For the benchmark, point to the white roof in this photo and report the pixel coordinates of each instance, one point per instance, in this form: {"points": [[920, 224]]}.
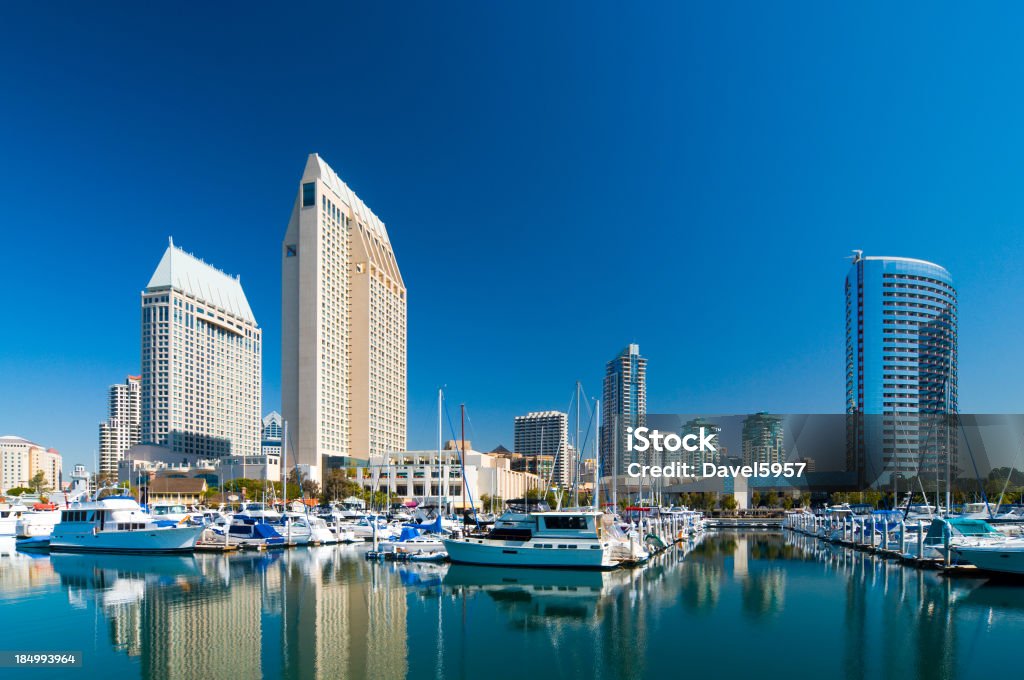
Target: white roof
{"points": [[187, 273], [317, 167], [15, 439]]}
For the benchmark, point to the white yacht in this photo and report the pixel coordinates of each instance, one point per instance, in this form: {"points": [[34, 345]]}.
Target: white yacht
{"points": [[580, 539], [1005, 557], [320, 532], [962, 532], [363, 529], [295, 528], [260, 511], [119, 524]]}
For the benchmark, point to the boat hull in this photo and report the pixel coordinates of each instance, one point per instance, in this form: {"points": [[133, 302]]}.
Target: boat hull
{"points": [[524, 554], [997, 558], [155, 541]]}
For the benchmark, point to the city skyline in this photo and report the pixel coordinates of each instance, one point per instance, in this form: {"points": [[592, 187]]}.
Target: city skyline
{"points": [[736, 211]]}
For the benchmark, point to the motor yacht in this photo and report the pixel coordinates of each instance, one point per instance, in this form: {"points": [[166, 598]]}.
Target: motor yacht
{"points": [[119, 524], [521, 537]]}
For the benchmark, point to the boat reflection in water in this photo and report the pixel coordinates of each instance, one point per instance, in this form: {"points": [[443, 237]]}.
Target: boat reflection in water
{"points": [[529, 595], [724, 605]]}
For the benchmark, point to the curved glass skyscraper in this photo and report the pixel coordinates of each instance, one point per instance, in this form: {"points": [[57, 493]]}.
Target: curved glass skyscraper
{"points": [[901, 355]]}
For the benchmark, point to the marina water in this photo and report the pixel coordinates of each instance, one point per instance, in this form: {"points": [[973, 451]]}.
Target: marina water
{"points": [[733, 604]]}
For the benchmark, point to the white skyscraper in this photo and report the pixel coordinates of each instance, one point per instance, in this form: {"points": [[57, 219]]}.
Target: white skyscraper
{"points": [[123, 427], [343, 354], [201, 360]]}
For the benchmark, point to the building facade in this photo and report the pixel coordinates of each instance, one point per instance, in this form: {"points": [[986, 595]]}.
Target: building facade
{"points": [[21, 460], [273, 432], [423, 477], [624, 404], [123, 426], [763, 439], [343, 312], [901, 362], [546, 433], [696, 459], [201, 360]]}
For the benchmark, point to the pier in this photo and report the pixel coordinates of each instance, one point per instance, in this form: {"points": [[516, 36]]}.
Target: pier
{"points": [[895, 539]]}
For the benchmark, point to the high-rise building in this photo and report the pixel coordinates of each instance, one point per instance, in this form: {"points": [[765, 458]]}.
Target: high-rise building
{"points": [[21, 460], [696, 459], [273, 430], [201, 360], [901, 360], [763, 439], [624, 404], [273, 425], [123, 426], [546, 433], [343, 313]]}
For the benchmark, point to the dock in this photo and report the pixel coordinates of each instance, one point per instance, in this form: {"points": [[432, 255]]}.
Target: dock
{"points": [[897, 540]]}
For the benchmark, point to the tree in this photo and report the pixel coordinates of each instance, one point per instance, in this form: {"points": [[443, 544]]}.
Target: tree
{"points": [[39, 482], [728, 502], [18, 491], [338, 486]]}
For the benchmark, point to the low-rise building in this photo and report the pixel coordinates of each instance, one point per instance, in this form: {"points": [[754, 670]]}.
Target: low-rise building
{"points": [[146, 459], [183, 490], [21, 460], [423, 477]]}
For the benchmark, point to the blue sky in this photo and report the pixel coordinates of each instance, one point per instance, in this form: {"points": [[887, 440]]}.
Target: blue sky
{"points": [[558, 179]]}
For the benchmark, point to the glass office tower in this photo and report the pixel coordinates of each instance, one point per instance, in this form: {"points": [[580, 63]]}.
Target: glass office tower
{"points": [[901, 362]]}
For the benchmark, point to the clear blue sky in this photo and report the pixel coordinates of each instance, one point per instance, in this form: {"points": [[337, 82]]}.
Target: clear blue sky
{"points": [[558, 179]]}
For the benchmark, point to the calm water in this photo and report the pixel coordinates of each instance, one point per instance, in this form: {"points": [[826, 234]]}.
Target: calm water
{"points": [[759, 605]]}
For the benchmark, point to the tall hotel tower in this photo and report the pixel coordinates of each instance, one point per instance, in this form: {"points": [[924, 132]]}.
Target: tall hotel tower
{"points": [[624, 404], [546, 433], [901, 360], [201, 361], [343, 349], [123, 427]]}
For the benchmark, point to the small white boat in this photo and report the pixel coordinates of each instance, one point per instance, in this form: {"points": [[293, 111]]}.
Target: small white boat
{"points": [[9, 516], [412, 541], [36, 523], [119, 524], [321, 533], [295, 528], [1005, 557], [250, 532], [962, 532], [363, 529]]}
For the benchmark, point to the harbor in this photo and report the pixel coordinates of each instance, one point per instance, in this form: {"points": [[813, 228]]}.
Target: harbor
{"points": [[329, 612]]}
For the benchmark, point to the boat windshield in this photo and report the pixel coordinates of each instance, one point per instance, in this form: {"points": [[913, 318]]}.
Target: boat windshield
{"points": [[168, 509], [528, 505]]}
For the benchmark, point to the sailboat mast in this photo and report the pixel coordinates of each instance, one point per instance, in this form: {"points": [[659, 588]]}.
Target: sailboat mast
{"points": [[284, 460], [576, 458], [597, 457], [439, 434], [462, 452]]}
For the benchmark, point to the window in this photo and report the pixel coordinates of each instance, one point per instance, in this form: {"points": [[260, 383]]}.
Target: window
{"points": [[309, 194], [562, 522], [290, 250]]}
